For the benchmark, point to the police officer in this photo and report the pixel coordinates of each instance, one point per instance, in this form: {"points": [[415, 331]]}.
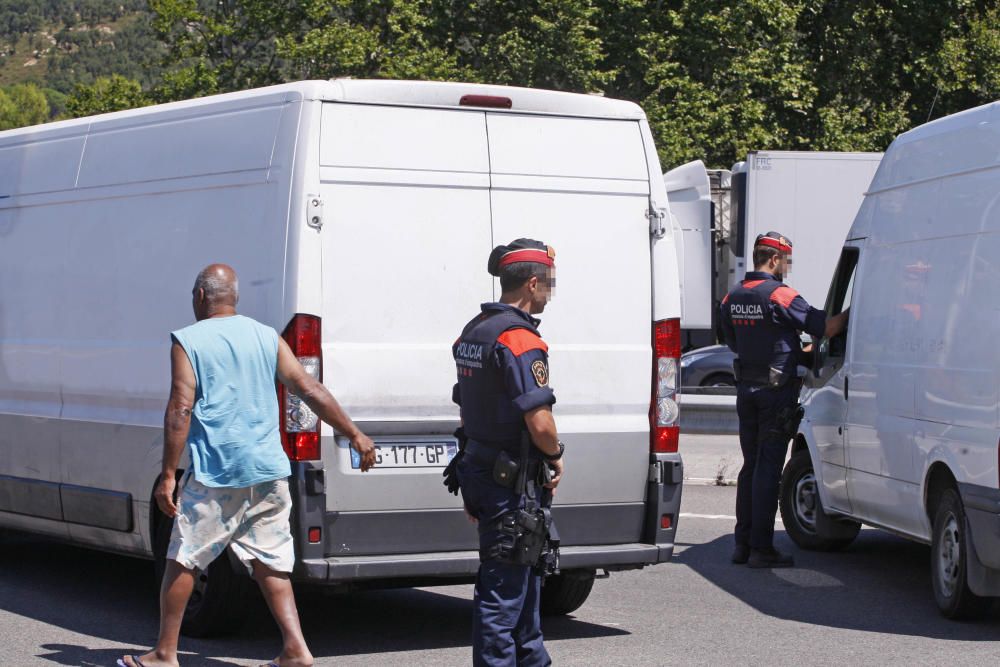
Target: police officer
{"points": [[512, 457], [761, 319]]}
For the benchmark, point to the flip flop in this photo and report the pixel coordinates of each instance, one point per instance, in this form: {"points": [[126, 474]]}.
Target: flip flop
{"points": [[135, 661]]}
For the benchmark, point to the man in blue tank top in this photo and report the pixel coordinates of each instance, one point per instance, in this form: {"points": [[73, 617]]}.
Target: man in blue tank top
{"points": [[223, 406]]}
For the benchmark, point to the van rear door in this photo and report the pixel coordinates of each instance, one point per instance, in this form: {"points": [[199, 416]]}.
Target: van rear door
{"points": [[581, 185], [405, 240]]}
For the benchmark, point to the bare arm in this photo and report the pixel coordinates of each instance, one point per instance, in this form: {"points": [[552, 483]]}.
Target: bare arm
{"points": [[176, 422], [836, 324], [542, 426], [321, 401]]}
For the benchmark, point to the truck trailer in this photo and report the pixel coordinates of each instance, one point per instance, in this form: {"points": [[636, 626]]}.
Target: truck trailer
{"points": [[810, 197]]}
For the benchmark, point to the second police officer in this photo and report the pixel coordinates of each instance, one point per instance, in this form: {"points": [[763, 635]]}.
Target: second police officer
{"points": [[761, 319], [512, 457]]}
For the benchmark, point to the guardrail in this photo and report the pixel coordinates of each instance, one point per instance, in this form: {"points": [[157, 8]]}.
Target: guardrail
{"points": [[709, 412]]}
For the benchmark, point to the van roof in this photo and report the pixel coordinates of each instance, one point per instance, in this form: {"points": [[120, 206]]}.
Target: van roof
{"points": [[417, 93], [443, 93], [955, 144]]}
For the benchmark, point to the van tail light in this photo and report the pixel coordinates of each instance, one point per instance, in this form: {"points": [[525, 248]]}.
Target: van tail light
{"points": [[299, 424], [664, 411]]}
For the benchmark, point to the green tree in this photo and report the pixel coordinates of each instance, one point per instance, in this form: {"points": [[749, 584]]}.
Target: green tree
{"points": [[22, 105], [884, 66], [392, 39], [968, 64], [552, 44], [235, 44], [726, 79], [107, 94], [223, 45]]}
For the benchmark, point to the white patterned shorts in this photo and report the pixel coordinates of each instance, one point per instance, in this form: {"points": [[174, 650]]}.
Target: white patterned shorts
{"points": [[252, 520]]}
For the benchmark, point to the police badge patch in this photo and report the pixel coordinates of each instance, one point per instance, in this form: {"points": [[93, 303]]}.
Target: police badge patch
{"points": [[541, 373]]}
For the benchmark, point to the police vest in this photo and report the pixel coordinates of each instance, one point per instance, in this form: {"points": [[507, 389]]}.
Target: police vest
{"points": [[761, 343], [489, 416]]}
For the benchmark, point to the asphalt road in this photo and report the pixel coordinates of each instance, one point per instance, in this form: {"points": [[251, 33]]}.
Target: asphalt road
{"points": [[869, 605]]}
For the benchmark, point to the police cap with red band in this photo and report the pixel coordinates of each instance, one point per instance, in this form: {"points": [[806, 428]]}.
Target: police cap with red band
{"points": [[776, 241], [520, 250]]}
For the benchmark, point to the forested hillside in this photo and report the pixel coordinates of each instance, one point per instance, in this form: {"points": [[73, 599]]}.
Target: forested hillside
{"points": [[57, 44], [716, 79]]}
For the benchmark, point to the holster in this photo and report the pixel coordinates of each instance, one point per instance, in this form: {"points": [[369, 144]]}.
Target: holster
{"points": [[786, 422], [776, 377], [527, 536], [762, 376], [506, 470]]}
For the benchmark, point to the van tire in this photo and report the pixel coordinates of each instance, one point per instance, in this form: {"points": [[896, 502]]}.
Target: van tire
{"points": [[219, 603], [566, 592], [802, 512], [949, 567]]}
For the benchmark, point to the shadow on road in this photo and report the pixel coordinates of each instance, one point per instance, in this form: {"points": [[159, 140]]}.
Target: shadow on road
{"points": [[112, 598], [68, 654], [881, 583]]}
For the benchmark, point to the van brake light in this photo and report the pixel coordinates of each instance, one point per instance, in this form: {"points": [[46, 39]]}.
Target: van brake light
{"points": [[664, 411], [491, 101], [299, 424]]}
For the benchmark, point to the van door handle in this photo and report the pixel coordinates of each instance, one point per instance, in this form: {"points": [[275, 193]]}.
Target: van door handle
{"points": [[847, 385]]}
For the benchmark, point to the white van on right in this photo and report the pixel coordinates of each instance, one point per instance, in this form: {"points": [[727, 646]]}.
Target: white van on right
{"points": [[902, 412]]}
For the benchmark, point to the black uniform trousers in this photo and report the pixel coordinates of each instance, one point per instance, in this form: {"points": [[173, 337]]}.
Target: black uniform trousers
{"points": [[506, 621], [764, 449]]}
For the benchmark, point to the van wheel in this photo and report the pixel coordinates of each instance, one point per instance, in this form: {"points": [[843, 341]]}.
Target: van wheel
{"points": [[948, 562], [566, 592], [219, 602], [802, 513]]}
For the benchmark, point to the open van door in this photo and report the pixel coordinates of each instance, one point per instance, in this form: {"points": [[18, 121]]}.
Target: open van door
{"points": [[830, 386], [690, 196]]}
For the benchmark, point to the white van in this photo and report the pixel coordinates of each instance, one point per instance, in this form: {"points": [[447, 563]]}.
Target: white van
{"points": [[359, 216], [902, 421]]}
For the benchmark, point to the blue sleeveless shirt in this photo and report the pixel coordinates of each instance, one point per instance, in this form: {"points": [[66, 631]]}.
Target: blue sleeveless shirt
{"points": [[234, 439]]}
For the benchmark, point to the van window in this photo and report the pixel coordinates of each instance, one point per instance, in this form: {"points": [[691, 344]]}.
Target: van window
{"points": [[839, 298], [850, 291]]}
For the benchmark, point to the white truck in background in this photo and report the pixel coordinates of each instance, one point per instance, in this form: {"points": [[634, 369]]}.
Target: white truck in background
{"points": [[810, 197]]}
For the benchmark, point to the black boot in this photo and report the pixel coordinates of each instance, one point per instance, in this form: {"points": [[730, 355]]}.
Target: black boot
{"points": [[741, 554], [760, 558]]}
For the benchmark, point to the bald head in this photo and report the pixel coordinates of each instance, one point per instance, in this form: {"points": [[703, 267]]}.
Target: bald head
{"points": [[216, 288]]}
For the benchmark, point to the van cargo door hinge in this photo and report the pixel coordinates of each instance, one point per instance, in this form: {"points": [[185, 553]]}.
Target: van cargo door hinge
{"points": [[655, 473], [656, 216], [314, 212]]}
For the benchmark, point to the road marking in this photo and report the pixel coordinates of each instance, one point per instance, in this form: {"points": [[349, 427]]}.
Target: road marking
{"points": [[718, 517], [710, 481]]}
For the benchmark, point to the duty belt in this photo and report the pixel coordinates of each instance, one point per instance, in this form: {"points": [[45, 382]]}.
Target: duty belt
{"points": [[759, 374], [486, 455]]}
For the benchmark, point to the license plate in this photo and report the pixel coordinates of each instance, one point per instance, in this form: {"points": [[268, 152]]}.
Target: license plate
{"points": [[410, 455]]}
